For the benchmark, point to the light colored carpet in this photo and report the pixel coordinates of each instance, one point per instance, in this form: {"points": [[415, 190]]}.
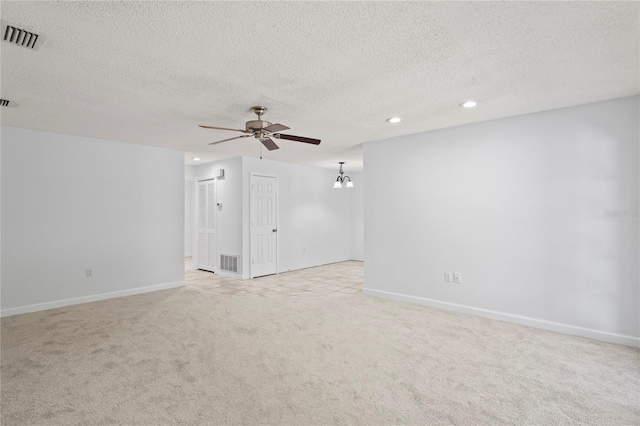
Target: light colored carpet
{"points": [[196, 356]]}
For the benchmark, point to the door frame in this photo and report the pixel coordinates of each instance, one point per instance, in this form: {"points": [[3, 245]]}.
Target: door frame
{"points": [[194, 225], [251, 175]]}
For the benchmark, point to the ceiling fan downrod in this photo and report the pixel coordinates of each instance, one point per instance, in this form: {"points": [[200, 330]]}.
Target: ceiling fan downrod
{"points": [[259, 110]]}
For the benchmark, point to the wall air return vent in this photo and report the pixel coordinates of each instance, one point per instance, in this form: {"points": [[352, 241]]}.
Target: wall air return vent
{"points": [[4, 102], [229, 263], [21, 37]]}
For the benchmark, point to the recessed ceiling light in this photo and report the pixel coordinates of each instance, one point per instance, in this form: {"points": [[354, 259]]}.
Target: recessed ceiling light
{"points": [[196, 159], [394, 120], [469, 104]]}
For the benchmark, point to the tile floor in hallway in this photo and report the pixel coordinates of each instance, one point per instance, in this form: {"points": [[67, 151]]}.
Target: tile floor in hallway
{"points": [[334, 280]]}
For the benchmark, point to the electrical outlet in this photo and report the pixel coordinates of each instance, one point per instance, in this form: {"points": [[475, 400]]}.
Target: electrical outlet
{"points": [[447, 277], [89, 273], [457, 277]]}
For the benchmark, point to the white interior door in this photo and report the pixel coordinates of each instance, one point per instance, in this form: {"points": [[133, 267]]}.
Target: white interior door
{"points": [[264, 225], [207, 250]]}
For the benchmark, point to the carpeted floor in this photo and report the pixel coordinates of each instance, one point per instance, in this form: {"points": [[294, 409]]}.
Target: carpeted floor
{"points": [[198, 356]]}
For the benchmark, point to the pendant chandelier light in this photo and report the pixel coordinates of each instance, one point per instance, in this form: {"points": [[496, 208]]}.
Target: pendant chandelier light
{"points": [[343, 181]]}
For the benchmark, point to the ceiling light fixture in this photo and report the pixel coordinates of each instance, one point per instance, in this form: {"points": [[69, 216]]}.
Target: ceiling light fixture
{"points": [[196, 159], [394, 120], [468, 104], [343, 181]]}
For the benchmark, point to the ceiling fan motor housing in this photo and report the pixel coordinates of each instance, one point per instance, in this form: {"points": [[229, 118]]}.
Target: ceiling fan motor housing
{"points": [[256, 125]]}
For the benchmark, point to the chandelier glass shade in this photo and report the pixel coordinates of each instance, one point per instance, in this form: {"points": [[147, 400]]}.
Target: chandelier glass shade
{"points": [[342, 181]]}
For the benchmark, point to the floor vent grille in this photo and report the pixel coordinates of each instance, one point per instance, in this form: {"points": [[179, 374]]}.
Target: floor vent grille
{"points": [[21, 37], [229, 263]]}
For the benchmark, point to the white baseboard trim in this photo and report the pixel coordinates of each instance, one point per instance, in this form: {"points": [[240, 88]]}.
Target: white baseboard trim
{"points": [[603, 336], [87, 299], [229, 274]]}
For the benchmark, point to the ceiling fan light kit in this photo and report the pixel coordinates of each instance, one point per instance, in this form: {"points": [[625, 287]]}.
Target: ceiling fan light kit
{"points": [[342, 180], [264, 131]]}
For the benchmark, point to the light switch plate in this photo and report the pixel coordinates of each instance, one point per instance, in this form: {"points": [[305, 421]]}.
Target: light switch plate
{"points": [[457, 277], [447, 277]]}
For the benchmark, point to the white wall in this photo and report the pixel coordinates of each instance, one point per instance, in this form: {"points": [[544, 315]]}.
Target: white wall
{"points": [[517, 206], [313, 218], [189, 172], [357, 217], [71, 203]]}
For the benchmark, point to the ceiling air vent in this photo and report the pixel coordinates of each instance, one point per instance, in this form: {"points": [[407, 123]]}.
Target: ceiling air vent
{"points": [[4, 102], [21, 37]]}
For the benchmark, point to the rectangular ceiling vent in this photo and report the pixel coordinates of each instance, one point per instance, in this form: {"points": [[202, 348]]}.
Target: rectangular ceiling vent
{"points": [[229, 263], [21, 37], [4, 102]]}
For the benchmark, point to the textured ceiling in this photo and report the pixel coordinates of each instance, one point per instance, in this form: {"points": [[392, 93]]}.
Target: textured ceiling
{"points": [[150, 72]]}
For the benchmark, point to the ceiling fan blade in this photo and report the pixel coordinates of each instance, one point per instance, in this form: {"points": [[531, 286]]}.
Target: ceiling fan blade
{"points": [[269, 143], [276, 127], [222, 128], [298, 139], [230, 139]]}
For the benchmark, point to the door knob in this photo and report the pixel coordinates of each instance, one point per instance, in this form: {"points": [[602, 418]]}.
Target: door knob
{"points": [[274, 230]]}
